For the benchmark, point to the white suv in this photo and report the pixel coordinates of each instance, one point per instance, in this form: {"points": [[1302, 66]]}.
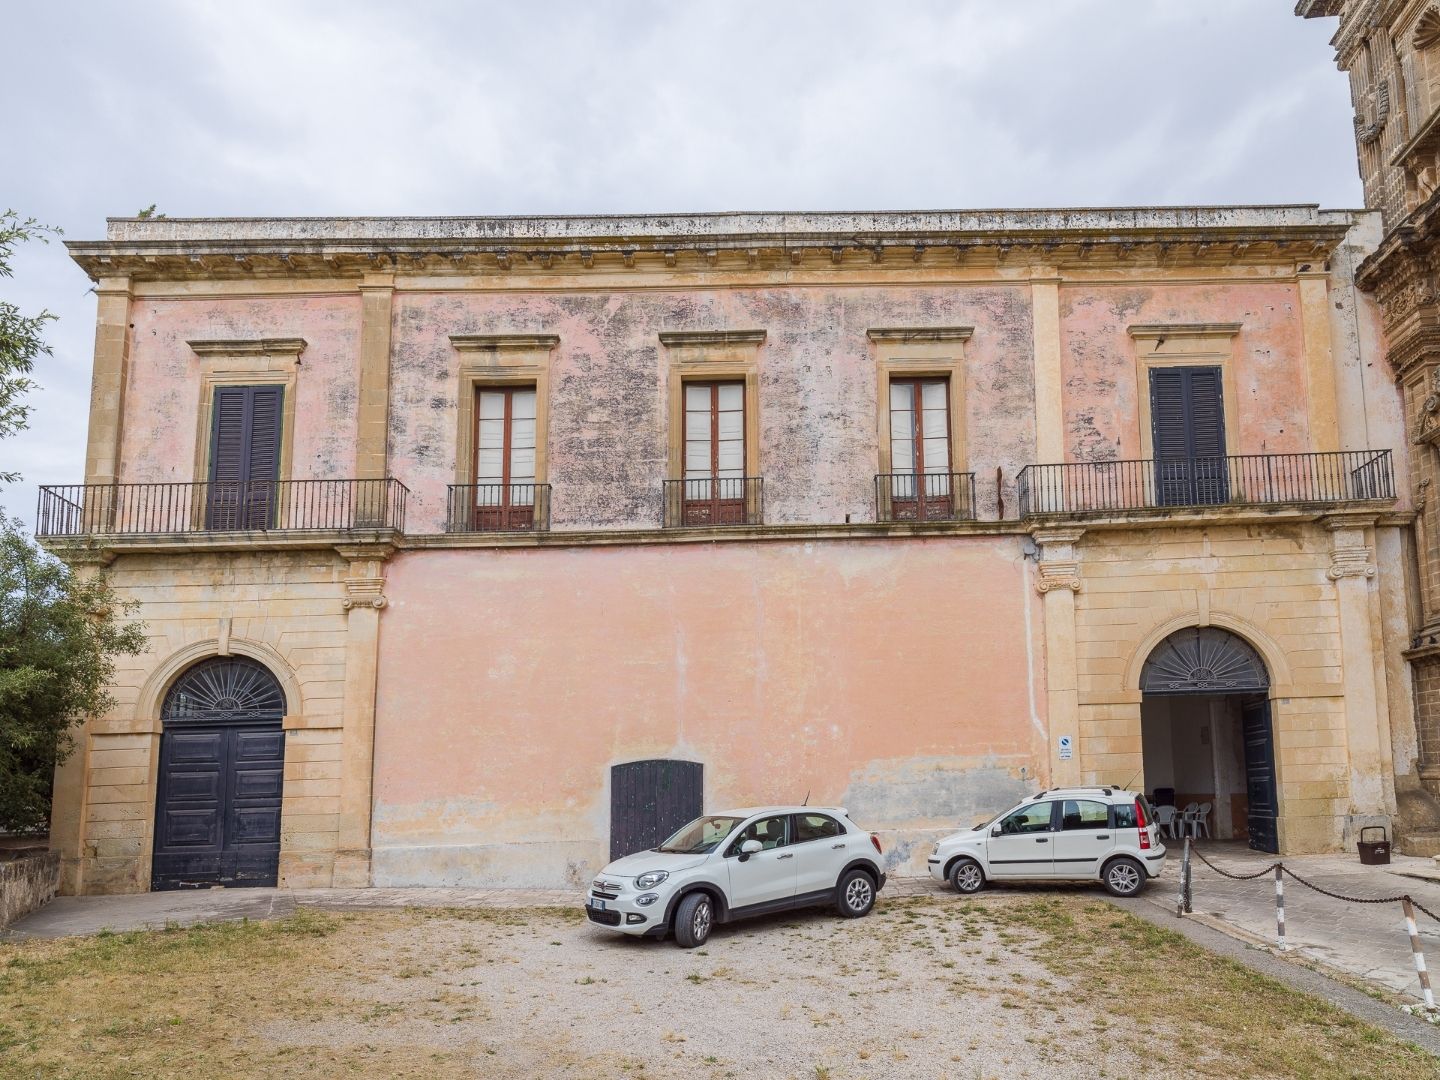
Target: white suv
{"points": [[1082, 834], [725, 866]]}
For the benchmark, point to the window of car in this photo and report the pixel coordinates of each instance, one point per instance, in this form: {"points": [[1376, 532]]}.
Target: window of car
{"points": [[1124, 815], [1084, 814], [701, 836], [772, 832], [1028, 819], [815, 827]]}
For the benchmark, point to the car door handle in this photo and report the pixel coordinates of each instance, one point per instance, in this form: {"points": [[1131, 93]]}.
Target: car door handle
{"points": [[837, 845], [787, 855], [1042, 840], [1103, 836]]}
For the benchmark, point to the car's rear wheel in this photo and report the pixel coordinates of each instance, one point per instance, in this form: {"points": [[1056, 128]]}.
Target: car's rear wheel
{"points": [[693, 920], [1123, 877], [966, 876], [855, 894]]}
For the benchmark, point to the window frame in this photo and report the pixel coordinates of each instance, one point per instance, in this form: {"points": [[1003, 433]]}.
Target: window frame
{"points": [[921, 353], [795, 828], [733, 848], [1184, 345], [498, 361], [1103, 824], [240, 363]]}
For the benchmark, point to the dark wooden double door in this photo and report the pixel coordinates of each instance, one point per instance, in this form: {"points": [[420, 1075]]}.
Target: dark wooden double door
{"points": [[243, 492], [1262, 802], [650, 800], [218, 806], [1187, 427]]}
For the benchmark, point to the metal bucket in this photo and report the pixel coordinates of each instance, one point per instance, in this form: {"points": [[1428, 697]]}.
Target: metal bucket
{"points": [[1374, 852]]}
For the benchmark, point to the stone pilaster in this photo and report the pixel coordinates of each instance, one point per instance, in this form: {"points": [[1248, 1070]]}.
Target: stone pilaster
{"points": [[1367, 713], [107, 384], [1324, 415], [1049, 401], [377, 294], [1058, 581], [364, 599]]}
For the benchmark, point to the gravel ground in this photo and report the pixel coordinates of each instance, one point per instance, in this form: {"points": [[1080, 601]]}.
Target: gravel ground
{"points": [[801, 995]]}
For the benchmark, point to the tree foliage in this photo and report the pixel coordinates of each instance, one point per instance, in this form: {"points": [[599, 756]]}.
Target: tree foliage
{"points": [[59, 637], [21, 336]]}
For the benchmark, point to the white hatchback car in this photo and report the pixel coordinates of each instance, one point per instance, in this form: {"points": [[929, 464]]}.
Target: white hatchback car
{"points": [[736, 863], [1078, 834]]}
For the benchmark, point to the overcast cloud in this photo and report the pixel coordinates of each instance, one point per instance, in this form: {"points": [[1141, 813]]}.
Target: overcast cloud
{"points": [[276, 108]]}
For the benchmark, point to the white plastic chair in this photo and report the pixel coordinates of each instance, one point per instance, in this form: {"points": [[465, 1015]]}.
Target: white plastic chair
{"points": [[1201, 820], [1165, 818], [1187, 819]]}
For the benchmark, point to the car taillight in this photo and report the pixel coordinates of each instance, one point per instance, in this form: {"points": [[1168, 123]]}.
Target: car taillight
{"points": [[1144, 831], [876, 841]]}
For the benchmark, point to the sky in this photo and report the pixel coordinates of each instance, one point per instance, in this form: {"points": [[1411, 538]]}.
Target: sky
{"points": [[315, 107]]}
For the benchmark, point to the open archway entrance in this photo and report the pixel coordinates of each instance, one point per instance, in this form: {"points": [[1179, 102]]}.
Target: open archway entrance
{"points": [[222, 767], [1207, 736]]}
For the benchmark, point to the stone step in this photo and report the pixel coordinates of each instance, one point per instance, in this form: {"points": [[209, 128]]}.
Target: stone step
{"points": [[1420, 842]]}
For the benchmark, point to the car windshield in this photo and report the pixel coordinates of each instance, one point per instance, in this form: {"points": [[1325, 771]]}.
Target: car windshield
{"points": [[701, 836]]}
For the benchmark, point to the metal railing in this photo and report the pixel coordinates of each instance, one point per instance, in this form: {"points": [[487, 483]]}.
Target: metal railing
{"points": [[1096, 487], [221, 506], [701, 503], [925, 496], [498, 508]]}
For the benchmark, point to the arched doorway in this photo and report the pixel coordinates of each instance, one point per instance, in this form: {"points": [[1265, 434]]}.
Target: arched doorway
{"points": [[222, 767], [1206, 732]]}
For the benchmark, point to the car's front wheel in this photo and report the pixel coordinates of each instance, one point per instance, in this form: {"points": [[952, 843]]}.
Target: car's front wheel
{"points": [[693, 920], [855, 894], [1123, 877], [966, 876]]}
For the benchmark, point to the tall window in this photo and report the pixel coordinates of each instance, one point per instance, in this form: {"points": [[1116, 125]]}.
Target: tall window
{"points": [[714, 453], [1187, 419], [505, 457], [920, 449], [244, 457]]}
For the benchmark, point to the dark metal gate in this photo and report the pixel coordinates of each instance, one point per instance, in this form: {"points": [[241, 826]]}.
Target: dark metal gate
{"points": [[649, 800], [222, 764], [1263, 806]]}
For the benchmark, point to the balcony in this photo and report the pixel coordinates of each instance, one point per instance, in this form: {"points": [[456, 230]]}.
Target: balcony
{"points": [[489, 508], [284, 506], [931, 496], [1105, 487], [712, 501]]}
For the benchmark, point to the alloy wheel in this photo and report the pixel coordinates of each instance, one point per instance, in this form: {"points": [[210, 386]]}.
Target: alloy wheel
{"points": [[858, 893]]}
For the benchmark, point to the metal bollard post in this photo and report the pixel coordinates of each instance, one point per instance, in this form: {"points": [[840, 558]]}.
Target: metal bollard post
{"points": [[1183, 902], [1280, 906], [1414, 932]]}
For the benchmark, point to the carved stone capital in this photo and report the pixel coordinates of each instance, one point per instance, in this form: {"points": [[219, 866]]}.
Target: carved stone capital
{"points": [[1058, 575], [364, 592], [1350, 562]]}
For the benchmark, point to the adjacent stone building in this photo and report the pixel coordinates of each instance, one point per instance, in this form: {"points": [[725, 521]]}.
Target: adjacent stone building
{"points": [[474, 549], [1391, 50]]}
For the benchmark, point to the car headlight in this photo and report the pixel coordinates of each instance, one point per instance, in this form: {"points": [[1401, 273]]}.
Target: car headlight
{"points": [[650, 880], [647, 899]]}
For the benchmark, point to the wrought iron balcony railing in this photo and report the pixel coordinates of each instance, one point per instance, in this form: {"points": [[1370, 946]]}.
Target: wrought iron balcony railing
{"points": [[1098, 487], [707, 501], [925, 496], [498, 508], [221, 506]]}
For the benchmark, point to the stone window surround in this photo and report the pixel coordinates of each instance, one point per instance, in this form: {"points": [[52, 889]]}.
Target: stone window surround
{"points": [[501, 360], [712, 356], [247, 362], [1184, 345], [920, 353]]}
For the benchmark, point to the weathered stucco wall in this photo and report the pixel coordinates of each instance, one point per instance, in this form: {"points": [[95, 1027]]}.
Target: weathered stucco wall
{"points": [[27, 884], [895, 678], [1102, 391], [608, 415], [162, 397]]}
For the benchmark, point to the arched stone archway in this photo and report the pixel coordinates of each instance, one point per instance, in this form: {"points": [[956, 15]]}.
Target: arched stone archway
{"points": [[221, 776], [1206, 732]]}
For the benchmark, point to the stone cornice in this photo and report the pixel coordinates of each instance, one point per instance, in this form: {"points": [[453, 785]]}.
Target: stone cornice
{"points": [[1209, 330], [905, 335], [491, 342], [249, 347], [227, 248], [704, 338]]}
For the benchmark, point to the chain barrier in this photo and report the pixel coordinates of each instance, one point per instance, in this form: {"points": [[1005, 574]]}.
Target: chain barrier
{"points": [[1407, 902]]}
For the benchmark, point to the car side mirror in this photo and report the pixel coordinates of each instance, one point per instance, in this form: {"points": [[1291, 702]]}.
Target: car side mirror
{"points": [[995, 831], [750, 847]]}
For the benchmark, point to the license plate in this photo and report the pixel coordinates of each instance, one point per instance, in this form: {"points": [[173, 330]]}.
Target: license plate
{"points": [[598, 905]]}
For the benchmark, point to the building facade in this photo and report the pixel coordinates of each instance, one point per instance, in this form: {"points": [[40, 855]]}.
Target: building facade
{"points": [[1391, 51], [473, 551]]}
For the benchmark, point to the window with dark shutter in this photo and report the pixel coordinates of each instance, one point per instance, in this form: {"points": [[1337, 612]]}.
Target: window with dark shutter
{"points": [[244, 457], [1187, 417]]}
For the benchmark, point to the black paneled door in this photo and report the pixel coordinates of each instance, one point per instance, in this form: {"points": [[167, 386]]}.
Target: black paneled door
{"points": [[649, 800], [1263, 803], [244, 457], [1187, 427]]}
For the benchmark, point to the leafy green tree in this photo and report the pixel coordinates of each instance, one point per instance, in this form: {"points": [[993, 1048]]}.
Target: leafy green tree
{"points": [[21, 336], [59, 637]]}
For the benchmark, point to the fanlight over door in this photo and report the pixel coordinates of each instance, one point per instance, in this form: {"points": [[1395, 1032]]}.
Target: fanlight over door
{"points": [[1204, 660]]}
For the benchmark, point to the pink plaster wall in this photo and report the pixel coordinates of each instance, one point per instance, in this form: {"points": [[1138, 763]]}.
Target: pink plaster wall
{"points": [[894, 677], [1101, 396], [163, 392], [608, 415]]}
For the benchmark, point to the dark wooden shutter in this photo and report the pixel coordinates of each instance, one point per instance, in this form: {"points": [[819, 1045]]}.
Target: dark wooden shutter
{"points": [[1187, 421], [244, 457]]}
